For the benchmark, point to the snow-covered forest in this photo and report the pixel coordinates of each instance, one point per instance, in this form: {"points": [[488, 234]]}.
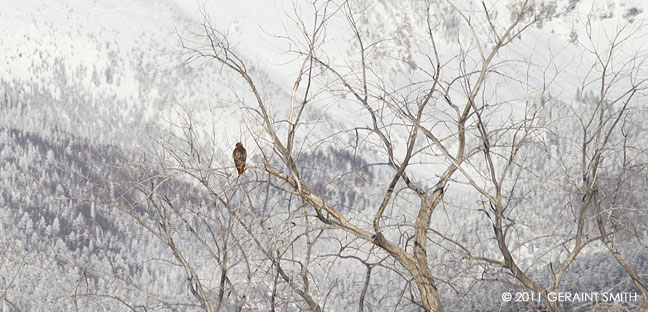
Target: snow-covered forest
{"points": [[406, 155]]}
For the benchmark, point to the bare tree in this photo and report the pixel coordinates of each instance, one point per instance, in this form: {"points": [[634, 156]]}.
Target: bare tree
{"points": [[389, 113], [603, 145], [424, 121], [608, 165]]}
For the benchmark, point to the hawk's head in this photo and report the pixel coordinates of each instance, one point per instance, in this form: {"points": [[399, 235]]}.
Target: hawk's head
{"points": [[239, 144]]}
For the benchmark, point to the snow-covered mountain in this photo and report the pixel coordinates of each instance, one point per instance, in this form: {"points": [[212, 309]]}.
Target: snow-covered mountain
{"points": [[116, 140]]}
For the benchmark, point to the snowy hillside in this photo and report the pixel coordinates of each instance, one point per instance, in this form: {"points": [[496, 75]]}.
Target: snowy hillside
{"points": [[401, 155]]}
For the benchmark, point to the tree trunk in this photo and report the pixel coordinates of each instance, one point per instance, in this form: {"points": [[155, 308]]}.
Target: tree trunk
{"points": [[427, 289]]}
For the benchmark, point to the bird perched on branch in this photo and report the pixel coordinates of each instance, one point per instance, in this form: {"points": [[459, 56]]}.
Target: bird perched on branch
{"points": [[239, 156]]}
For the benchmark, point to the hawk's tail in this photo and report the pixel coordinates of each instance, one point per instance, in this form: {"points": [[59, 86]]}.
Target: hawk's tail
{"points": [[240, 169]]}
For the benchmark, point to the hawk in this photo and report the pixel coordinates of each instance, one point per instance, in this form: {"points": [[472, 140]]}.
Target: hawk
{"points": [[239, 156]]}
